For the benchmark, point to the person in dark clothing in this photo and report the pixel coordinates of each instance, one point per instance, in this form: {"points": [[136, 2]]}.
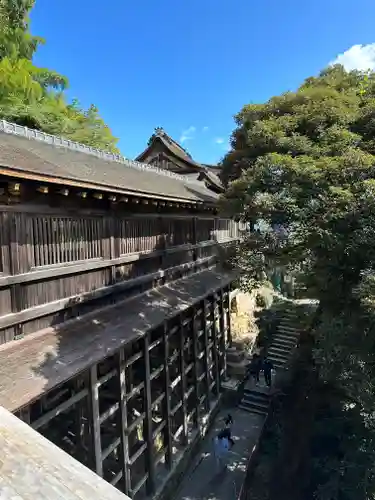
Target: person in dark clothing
{"points": [[255, 366], [226, 434], [228, 420], [267, 370]]}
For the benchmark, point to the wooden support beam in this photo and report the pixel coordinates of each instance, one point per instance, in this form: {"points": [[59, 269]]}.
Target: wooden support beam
{"points": [[222, 330], [183, 382], [167, 399], [195, 369], [215, 349], [123, 415], [229, 339], [206, 352], [96, 445], [25, 414], [79, 422], [150, 484]]}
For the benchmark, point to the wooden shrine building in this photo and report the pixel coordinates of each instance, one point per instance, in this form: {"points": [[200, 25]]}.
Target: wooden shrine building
{"points": [[114, 308], [165, 152]]}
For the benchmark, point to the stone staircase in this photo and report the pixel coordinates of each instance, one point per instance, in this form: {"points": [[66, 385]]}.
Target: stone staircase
{"points": [[256, 398]]}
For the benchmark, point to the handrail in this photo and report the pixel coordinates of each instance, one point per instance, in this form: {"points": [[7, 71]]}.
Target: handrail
{"points": [[36, 468]]}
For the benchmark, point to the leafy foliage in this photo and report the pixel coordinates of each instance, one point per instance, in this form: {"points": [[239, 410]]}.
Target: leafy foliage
{"points": [[33, 96], [304, 164]]}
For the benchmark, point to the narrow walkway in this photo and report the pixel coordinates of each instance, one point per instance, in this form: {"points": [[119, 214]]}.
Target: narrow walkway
{"points": [[202, 480]]}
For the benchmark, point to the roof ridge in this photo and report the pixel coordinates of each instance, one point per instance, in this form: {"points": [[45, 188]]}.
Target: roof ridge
{"points": [[56, 141], [160, 132]]}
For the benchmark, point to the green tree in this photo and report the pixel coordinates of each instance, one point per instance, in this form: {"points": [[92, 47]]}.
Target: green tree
{"points": [[304, 163], [33, 96], [15, 37]]}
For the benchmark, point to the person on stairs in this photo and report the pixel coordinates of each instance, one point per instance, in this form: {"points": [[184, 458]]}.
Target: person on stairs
{"points": [[267, 370], [255, 367]]}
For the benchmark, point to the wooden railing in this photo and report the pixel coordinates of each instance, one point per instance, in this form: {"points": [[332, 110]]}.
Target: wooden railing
{"points": [[37, 468], [55, 265]]}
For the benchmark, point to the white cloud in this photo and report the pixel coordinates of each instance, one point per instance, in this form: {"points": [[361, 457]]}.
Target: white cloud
{"points": [[219, 140], [187, 134], [204, 129], [360, 57]]}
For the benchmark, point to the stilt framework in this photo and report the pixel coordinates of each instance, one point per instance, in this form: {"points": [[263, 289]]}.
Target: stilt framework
{"points": [[131, 416]]}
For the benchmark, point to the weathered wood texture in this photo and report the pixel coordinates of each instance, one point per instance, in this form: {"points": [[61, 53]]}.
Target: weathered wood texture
{"points": [[143, 402], [32, 467], [35, 364], [55, 266]]}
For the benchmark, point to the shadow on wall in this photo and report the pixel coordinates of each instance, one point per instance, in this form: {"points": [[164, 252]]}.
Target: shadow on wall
{"points": [[77, 331]]}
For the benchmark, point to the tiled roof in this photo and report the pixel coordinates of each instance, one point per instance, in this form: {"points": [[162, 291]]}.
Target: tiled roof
{"points": [[61, 161], [176, 149]]}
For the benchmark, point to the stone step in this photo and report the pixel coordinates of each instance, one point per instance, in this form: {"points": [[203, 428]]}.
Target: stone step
{"points": [[277, 355], [289, 328], [255, 405], [253, 409], [282, 340], [282, 349], [235, 357], [256, 395], [287, 333], [277, 362]]}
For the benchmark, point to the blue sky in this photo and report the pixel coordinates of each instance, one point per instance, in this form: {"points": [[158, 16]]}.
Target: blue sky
{"points": [[190, 65]]}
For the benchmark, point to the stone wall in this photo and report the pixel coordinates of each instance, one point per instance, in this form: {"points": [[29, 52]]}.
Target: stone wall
{"points": [[244, 328]]}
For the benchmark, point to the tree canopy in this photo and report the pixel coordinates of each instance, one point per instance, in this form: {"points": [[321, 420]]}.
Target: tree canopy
{"points": [[34, 96], [304, 162]]}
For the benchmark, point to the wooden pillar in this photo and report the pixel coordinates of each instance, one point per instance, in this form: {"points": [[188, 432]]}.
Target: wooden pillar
{"points": [[79, 426], [150, 484], [215, 349], [228, 337], [96, 446], [164, 241], [195, 368], [25, 415], [206, 352], [16, 267], [123, 415], [195, 239], [183, 382], [222, 331], [167, 399]]}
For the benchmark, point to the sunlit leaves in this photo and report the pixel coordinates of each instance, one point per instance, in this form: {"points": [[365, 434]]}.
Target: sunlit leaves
{"points": [[33, 96]]}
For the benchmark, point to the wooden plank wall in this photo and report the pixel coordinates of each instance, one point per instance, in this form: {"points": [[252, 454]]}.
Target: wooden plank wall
{"points": [[55, 266]]}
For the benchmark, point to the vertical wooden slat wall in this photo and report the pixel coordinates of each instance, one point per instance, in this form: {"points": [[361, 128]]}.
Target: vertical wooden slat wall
{"points": [[32, 242]]}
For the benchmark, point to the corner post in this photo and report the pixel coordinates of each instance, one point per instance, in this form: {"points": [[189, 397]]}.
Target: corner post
{"points": [[150, 485]]}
